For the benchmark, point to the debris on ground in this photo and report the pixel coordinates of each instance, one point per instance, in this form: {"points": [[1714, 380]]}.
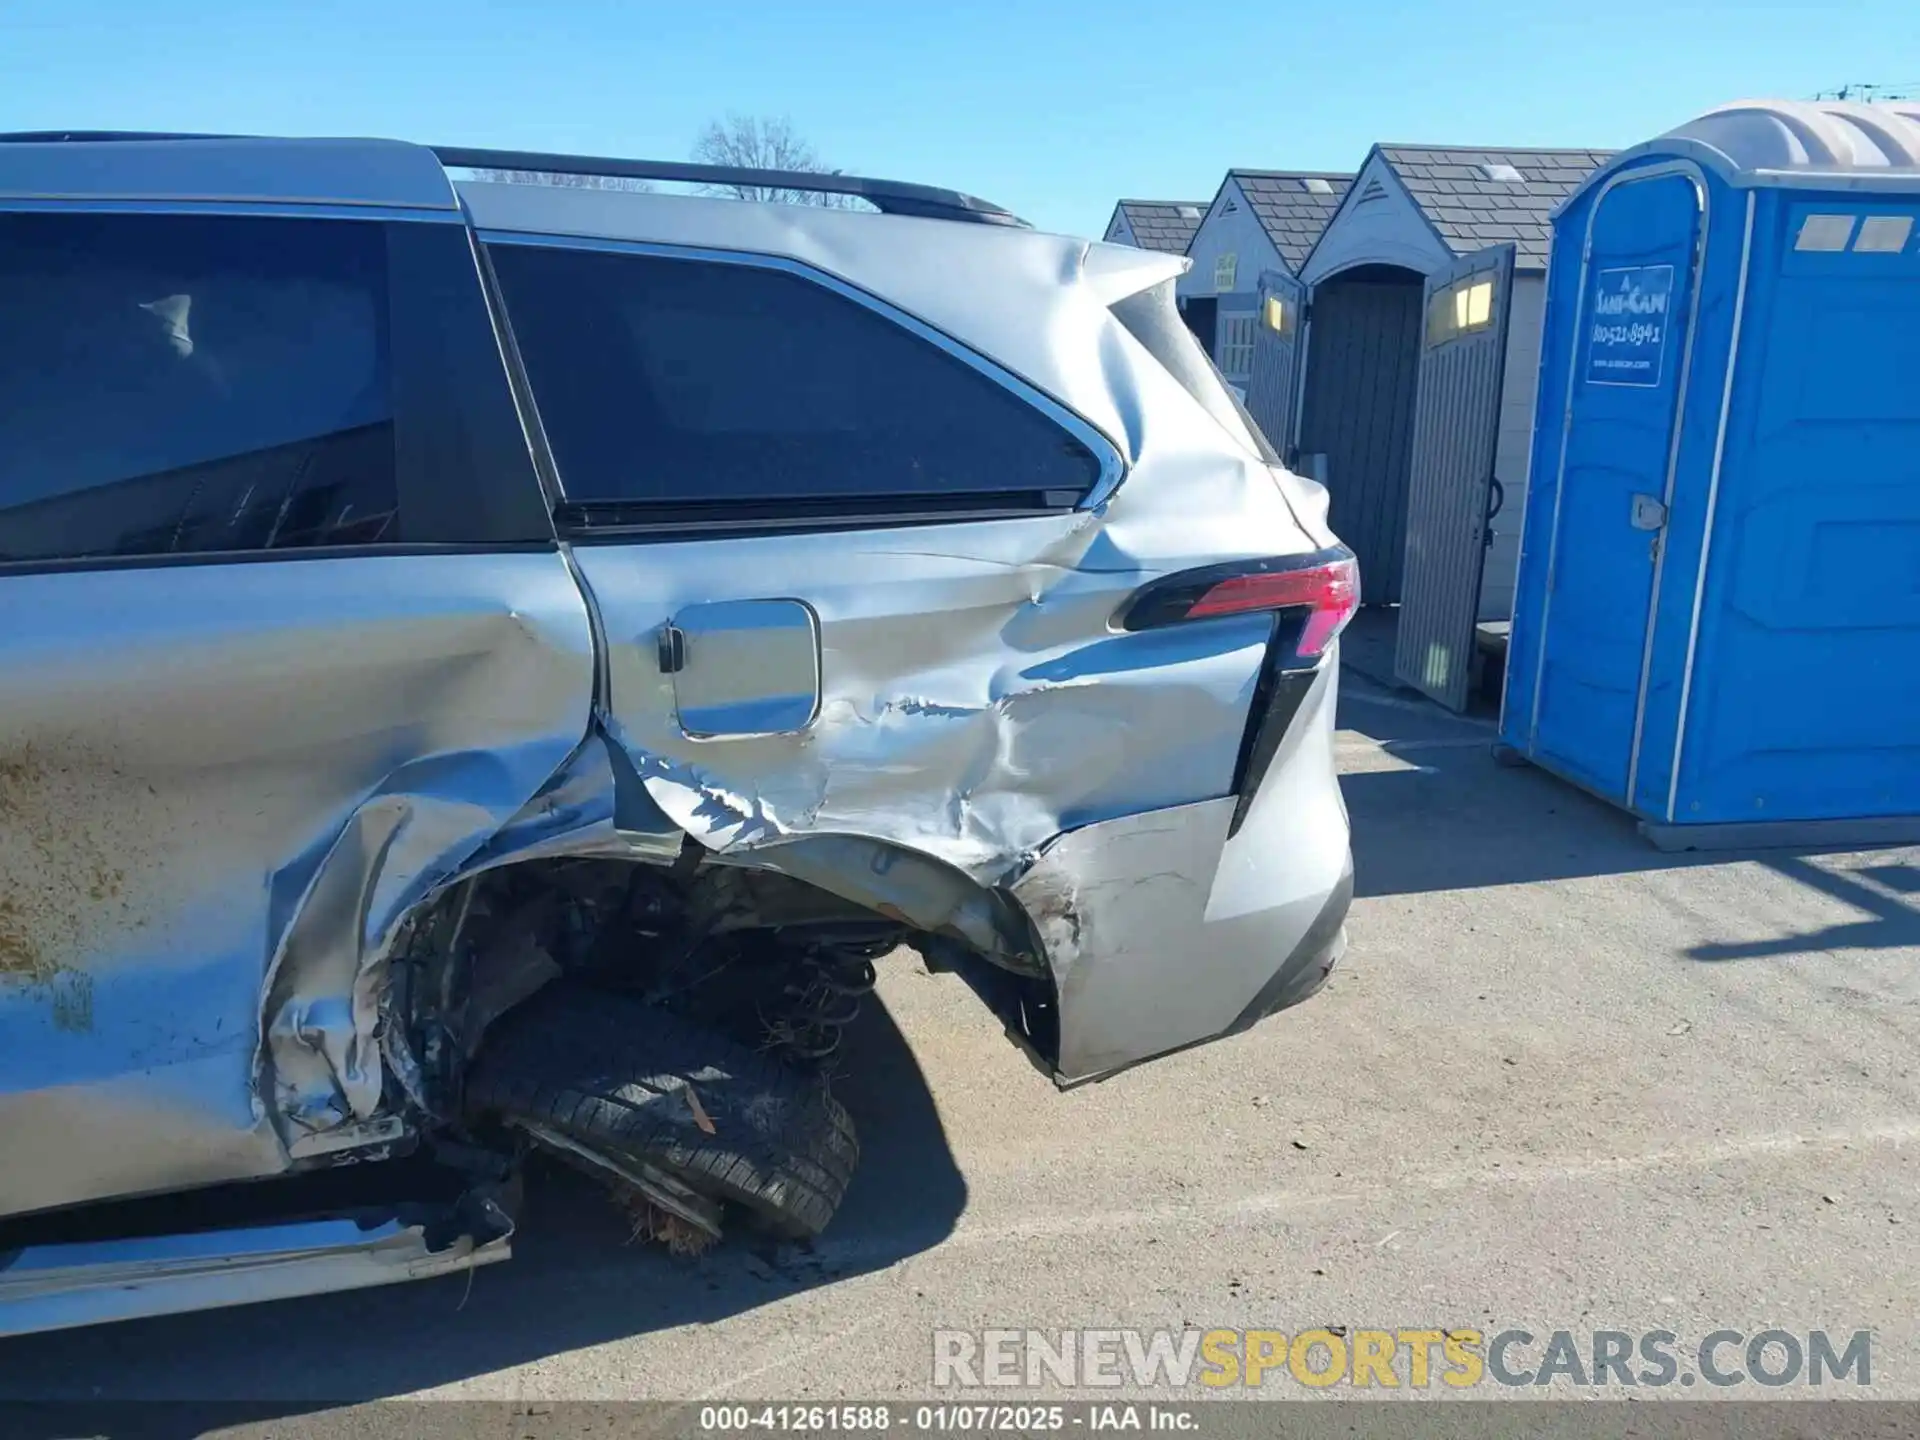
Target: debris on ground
{"points": [[650, 1222], [700, 1116]]}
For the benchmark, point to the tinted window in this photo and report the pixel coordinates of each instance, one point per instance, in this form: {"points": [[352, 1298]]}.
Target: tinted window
{"points": [[685, 382], [189, 383]]}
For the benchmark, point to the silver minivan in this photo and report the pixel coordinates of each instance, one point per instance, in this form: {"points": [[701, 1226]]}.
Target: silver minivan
{"points": [[490, 666]]}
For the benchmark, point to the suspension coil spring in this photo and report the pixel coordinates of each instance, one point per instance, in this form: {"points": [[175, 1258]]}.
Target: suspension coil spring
{"points": [[823, 998]]}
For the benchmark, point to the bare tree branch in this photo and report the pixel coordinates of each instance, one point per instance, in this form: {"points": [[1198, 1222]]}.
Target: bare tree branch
{"points": [[747, 142], [571, 182]]}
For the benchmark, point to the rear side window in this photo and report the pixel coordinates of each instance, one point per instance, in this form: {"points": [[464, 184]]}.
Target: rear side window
{"points": [[179, 384], [687, 383], [1153, 318]]}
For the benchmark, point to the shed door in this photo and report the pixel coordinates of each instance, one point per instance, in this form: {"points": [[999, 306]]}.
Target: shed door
{"points": [[1276, 357], [1616, 480], [1452, 491]]}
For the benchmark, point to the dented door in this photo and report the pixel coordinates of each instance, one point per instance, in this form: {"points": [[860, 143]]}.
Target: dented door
{"points": [[281, 646]]}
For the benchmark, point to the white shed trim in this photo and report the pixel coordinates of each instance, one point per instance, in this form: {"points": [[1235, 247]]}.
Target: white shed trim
{"points": [[1377, 224], [1230, 228]]}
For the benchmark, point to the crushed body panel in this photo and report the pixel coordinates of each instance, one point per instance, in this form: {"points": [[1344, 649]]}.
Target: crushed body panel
{"points": [[222, 788], [1163, 929]]}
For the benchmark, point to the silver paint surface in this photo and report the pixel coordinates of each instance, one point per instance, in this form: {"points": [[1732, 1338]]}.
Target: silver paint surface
{"points": [[1161, 929], [356, 174], [221, 789], [752, 667]]}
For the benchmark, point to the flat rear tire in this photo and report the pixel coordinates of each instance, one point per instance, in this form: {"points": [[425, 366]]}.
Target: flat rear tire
{"points": [[631, 1080]]}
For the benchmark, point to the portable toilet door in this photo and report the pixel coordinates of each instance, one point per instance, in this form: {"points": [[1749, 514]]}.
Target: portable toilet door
{"points": [[1615, 480], [1273, 385], [1452, 493], [1619, 444]]}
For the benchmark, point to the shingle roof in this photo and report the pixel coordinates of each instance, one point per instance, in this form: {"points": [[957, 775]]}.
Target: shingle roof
{"points": [[1163, 224], [1472, 210], [1292, 211]]}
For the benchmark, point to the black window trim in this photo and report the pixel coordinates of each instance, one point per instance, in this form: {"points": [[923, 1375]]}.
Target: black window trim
{"points": [[618, 520], [415, 549]]}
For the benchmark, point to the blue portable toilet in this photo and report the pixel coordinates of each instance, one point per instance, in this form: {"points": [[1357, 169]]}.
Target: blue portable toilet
{"points": [[1717, 621]]}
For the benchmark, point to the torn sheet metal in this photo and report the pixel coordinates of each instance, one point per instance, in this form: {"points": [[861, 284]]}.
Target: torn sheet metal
{"points": [[1162, 930], [975, 700], [221, 788], [907, 886]]}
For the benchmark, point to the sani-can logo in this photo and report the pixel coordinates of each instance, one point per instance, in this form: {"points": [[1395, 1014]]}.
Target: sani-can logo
{"points": [[1635, 297], [1627, 332]]}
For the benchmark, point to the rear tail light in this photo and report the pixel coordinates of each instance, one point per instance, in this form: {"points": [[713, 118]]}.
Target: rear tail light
{"points": [[1321, 589]]}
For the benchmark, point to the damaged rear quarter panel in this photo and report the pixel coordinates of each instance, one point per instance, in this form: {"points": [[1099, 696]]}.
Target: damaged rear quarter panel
{"points": [[1164, 930], [221, 787], [975, 701]]}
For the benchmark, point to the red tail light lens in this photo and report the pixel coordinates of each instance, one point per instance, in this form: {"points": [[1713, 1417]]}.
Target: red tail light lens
{"points": [[1326, 585], [1331, 590]]}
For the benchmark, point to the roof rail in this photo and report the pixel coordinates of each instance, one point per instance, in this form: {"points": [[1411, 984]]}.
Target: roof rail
{"points": [[56, 137], [891, 197]]}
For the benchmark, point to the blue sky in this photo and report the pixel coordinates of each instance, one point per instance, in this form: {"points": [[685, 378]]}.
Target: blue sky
{"points": [[1052, 109]]}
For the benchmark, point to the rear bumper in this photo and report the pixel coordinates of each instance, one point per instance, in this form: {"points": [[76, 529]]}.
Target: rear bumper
{"points": [[1174, 927]]}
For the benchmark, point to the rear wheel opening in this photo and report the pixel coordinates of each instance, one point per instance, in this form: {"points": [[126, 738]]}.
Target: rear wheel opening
{"points": [[671, 1031]]}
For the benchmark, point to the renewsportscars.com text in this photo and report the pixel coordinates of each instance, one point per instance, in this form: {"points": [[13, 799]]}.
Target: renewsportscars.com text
{"points": [[1415, 1359]]}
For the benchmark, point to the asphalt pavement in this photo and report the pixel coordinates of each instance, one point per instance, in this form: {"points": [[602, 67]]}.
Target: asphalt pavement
{"points": [[1561, 1082]]}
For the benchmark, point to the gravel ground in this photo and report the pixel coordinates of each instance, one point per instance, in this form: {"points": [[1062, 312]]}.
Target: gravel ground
{"points": [[1561, 1082]]}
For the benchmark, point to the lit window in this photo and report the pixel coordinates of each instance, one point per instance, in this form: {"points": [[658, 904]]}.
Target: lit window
{"points": [[1235, 347], [1277, 317], [1457, 309]]}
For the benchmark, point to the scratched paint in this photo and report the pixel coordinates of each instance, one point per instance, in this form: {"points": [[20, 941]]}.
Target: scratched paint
{"points": [[79, 838]]}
